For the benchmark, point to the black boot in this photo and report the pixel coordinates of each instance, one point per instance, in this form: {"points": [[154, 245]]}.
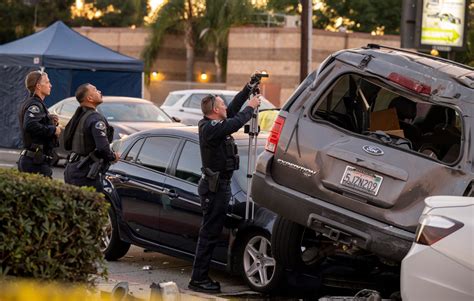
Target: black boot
{"points": [[205, 286]]}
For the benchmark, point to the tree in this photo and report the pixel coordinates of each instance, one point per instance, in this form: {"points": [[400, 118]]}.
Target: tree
{"points": [[50, 11], [16, 20], [284, 6], [110, 13], [359, 15], [367, 15], [180, 15], [217, 21]]}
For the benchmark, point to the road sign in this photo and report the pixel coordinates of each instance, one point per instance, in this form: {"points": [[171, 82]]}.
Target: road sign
{"points": [[441, 23]]}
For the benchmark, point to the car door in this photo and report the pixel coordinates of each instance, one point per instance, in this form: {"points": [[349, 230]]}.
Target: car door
{"points": [[181, 215], [333, 155], [139, 179]]}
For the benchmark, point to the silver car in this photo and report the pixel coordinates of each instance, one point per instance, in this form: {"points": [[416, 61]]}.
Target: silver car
{"points": [[440, 264], [186, 104]]}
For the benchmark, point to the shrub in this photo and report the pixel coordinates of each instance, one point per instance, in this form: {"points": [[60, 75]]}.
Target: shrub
{"points": [[50, 230]]}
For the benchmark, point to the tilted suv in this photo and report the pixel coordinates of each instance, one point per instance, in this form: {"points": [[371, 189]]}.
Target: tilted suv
{"points": [[357, 148]]}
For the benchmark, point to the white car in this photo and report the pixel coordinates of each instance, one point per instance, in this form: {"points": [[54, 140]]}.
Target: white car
{"points": [[440, 264], [186, 104]]}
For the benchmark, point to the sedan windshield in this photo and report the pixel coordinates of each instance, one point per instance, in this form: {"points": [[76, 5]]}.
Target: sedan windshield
{"points": [[133, 112]]}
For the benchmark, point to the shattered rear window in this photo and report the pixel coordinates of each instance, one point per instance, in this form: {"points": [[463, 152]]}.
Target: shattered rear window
{"points": [[364, 107]]}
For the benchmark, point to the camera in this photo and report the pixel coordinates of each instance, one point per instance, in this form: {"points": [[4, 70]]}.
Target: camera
{"points": [[260, 75]]}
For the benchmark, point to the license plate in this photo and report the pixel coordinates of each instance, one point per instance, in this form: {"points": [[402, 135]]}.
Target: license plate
{"points": [[361, 180]]}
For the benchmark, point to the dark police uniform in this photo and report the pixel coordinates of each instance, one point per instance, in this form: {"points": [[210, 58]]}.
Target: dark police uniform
{"points": [[88, 134], [38, 137], [218, 153]]}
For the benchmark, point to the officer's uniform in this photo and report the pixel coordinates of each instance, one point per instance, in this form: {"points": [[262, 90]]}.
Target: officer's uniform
{"points": [[218, 153], [39, 137], [91, 136]]}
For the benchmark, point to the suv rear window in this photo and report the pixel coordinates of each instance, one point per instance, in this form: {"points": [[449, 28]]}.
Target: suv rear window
{"points": [[368, 108]]}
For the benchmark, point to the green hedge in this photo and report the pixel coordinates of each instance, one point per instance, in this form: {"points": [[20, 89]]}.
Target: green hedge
{"points": [[50, 230]]}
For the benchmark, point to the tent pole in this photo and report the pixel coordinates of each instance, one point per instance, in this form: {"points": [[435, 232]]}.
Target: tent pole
{"points": [[143, 85]]}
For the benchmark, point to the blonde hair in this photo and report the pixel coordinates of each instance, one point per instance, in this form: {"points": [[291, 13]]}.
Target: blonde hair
{"points": [[32, 79]]}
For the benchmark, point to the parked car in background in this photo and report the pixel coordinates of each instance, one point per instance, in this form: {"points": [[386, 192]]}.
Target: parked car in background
{"points": [[440, 264], [126, 114], [186, 104], [155, 205], [358, 147]]}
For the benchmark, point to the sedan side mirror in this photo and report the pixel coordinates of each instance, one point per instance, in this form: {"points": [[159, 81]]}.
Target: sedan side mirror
{"points": [[176, 119]]}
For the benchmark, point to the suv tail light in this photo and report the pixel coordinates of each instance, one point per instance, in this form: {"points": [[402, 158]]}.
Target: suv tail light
{"points": [[275, 132], [433, 228], [409, 83]]}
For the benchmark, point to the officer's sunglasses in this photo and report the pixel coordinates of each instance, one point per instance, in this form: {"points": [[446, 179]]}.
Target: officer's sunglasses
{"points": [[212, 98], [39, 78]]}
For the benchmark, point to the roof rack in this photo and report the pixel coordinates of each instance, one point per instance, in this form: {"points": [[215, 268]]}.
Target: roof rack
{"points": [[377, 46]]}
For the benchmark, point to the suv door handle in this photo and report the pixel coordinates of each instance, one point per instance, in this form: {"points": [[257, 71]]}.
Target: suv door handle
{"points": [[171, 193], [122, 178]]}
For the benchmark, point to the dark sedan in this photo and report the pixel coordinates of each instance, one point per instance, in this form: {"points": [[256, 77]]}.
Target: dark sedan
{"points": [[155, 205]]}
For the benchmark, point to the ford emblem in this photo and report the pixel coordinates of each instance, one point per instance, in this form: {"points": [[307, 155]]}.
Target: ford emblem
{"points": [[373, 150]]}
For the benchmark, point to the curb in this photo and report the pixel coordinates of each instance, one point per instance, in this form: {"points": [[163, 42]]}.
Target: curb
{"points": [[166, 291]]}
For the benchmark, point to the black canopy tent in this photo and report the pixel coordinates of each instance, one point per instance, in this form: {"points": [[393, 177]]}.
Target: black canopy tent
{"points": [[70, 60]]}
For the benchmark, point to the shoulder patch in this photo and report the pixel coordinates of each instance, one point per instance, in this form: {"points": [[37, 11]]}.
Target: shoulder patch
{"points": [[214, 122], [34, 109], [100, 125]]}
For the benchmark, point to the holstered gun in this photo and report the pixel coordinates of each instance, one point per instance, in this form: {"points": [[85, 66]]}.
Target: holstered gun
{"points": [[96, 167], [212, 178], [38, 157]]}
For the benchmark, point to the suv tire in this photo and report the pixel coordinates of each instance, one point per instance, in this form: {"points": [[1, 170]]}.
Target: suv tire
{"points": [[298, 248], [111, 245], [286, 243]]}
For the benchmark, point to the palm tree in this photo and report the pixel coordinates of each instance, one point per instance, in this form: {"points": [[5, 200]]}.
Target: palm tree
{"points": [[217, 21], [182, 15]]}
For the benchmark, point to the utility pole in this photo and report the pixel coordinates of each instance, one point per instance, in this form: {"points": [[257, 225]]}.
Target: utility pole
{"points": [[306, 38]]}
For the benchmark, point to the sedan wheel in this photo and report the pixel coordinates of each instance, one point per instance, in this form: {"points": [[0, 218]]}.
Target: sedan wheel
{"points": [[110, 244], [259, 268], [106, 234]]}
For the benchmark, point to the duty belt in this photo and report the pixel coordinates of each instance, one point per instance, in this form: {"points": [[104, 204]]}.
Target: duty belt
{"points": [[31, 154], [223, 180]]}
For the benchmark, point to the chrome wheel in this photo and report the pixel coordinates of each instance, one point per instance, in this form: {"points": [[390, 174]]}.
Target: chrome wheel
{"points": [[258, 262], [106, 234]]}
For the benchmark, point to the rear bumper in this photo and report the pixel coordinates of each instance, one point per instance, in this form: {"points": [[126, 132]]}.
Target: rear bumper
{"points": [[427, 274], [335, 222]]}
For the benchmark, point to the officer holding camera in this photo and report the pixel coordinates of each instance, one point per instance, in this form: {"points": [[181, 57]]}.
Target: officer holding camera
{"points": [[219, 160], [40, 129], [88, 135]]}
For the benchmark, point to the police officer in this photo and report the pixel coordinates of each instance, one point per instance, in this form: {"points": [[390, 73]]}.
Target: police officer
{"points": [[40, 129], [88, 135], [219, 160]]}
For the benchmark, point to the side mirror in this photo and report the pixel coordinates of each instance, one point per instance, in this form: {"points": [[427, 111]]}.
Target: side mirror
{"points": [[176, 119]]}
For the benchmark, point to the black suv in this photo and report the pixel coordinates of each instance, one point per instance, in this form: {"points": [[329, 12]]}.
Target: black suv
{"points": [[357, 148]]}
